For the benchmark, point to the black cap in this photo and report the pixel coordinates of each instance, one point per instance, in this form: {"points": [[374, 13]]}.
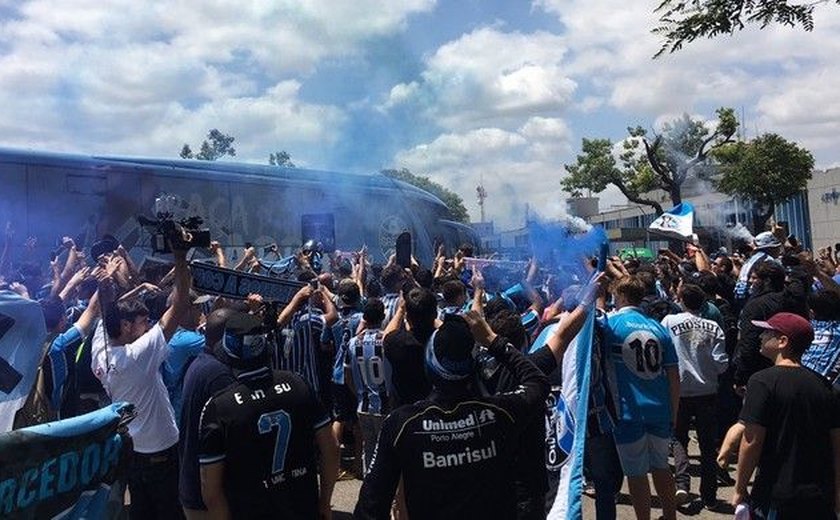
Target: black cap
{"points": [[449, 354], [244, 337]]}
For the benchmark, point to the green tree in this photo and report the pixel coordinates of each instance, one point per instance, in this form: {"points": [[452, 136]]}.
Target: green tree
{"points": [[683, 21], [215, 146], [596, 168], [765, 171], [281, 158], [452, 200], [678, 153]]}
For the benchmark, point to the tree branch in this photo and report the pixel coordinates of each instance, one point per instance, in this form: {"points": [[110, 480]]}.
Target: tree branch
{"points": [[633, 197], [650, 152]]}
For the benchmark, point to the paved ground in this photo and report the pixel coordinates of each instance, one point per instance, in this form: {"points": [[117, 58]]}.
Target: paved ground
{"points": [[346, 492]]}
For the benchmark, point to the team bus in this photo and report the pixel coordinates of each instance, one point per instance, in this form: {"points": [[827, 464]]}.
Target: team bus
{"points": [[46, 195]]}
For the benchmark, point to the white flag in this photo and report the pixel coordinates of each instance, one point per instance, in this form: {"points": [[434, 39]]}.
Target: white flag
{"points": [[677, 222]]}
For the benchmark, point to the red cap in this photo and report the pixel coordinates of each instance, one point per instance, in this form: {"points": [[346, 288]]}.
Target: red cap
{"points": [[797, 329]]}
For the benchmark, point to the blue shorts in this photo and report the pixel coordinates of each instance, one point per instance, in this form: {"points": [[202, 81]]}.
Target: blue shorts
{"points": [[642, 447]]}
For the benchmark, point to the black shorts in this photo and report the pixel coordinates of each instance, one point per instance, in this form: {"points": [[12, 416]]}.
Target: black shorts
{"points": [[344, 404]]}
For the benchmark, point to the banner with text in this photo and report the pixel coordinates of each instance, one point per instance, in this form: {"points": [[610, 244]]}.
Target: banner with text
{"points": [[65, 469], [229, 283]]}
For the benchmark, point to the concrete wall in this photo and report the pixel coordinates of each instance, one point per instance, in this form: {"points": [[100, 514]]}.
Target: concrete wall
{"points": [[824, 207]]}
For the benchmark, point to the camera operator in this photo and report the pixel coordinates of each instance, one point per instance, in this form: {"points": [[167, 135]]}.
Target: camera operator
{"points": [[128, 364]]}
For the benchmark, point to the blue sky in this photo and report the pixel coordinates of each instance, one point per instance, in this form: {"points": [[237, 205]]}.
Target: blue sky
{"points": [[469, 91]]}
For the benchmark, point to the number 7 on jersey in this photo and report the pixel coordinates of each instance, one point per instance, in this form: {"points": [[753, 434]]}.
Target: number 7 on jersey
{"points": [[283, 422]]}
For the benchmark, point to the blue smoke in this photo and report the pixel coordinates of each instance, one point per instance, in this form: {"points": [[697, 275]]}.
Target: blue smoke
{"points": [[556, 247]]}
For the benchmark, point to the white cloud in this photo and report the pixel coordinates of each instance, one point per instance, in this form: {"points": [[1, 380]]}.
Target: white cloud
{"points": [[128, 77], [516, 168], [782, 77], [490, 77]]}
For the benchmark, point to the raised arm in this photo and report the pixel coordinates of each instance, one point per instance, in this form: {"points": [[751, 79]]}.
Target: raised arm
{"points": [[249, 254], [219, 252], [477, 283], [300, 297], [571, 324], [330, 312], [533, 385], [180, 296], [397, 319]]}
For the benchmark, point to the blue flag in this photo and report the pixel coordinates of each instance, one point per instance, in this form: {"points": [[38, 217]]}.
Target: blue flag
{"points": [[65, 469], [571, 423]]}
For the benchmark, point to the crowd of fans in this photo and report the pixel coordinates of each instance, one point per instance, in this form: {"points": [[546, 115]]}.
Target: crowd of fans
{"points": [[438, 385]]}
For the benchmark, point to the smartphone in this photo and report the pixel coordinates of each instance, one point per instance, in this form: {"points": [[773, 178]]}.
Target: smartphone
{"points": [[403, 249]]}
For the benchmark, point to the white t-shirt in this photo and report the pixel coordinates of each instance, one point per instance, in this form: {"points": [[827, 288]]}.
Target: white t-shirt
{"points": [[131, 373], [701, 351]]}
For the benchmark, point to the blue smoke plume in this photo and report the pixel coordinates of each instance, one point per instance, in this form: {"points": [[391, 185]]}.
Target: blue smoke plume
{"points": [[556, 247]]}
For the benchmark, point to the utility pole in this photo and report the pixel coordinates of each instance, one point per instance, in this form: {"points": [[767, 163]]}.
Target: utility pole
{"points": [[482, 194]]}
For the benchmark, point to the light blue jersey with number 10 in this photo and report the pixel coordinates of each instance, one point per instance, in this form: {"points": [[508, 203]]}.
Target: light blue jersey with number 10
{"points": [[640, 349], [371, 372]]}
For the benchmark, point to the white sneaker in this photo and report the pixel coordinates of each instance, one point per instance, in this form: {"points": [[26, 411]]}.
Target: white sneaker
{"points": [[682, 497]]}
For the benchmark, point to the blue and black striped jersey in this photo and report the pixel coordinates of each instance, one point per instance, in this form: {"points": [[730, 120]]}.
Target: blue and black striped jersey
{"points": [[298, 345]]}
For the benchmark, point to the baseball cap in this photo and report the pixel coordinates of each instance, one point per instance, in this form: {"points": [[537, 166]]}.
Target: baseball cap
{"points": [[244, 337], [449, 351], [798, 330], [766, 240]]}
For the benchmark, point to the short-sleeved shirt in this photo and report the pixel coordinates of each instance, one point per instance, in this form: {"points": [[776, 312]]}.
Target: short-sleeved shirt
{"points": [[205, 377], [371, 373], [184, 346], [456, 457], [701, 349], [339, 335], [823, 356], [798, 410], [59, 367], [298, 347], [391, 302], [131, 373], [406, 357], [640, 350], [263, 429]]}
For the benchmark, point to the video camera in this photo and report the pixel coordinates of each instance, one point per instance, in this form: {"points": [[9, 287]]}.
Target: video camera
{"points": [[169, 234]]}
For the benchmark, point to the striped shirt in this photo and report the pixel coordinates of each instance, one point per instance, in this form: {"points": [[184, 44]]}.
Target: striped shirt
{"points": [[449, 309], [823, 356], [339, 335], [371, 373], [298, 345], [391, 301]]}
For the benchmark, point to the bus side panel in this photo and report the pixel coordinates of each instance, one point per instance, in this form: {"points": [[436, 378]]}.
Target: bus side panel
{"points": [[13, 208], [122, 207], [65, 201]]}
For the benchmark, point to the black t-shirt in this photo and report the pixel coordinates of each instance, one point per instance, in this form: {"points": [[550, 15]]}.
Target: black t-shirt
{"points": [[406, 355], [205, 377], [798, 409], [530, 471], [263, 429], [454, 452]]}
